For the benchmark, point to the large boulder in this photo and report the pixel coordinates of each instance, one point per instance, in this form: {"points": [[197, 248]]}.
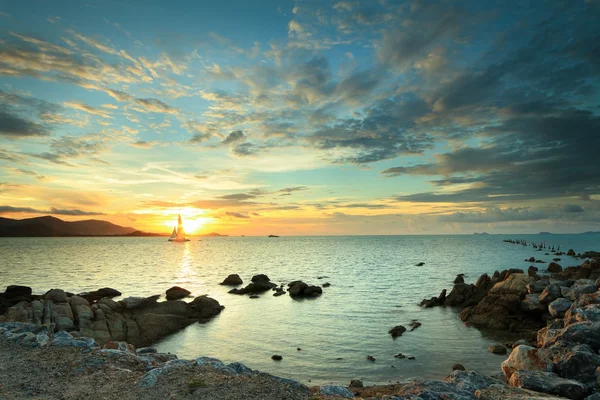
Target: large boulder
{"points": [[177, 293], [516, 283], [204, 308], [548, 382], [397, 331], [579, 333], [554, 267], [260, 278], [531, 303], [100, 294], [529, 358], [301, 289], [254, 288], [550, 293], [580, 363], [559, 307], [581, 287], [56, 296], [232, 280]]}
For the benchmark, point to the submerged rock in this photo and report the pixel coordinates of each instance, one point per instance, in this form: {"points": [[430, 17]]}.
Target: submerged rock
{"points": [[232, 280], [397, 331], [497, 349]]}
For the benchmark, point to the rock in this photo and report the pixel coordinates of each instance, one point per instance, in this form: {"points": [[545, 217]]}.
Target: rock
{"points": [[411, 358], [255, 287], [339, 391], [580, 363], [497, 349], [205, 307], [554, 267], [558, 307], [420, 264], [135, 302], [100, 294], [579, 333], [301, 289], [176, 293], [356, 383], [515, 284], [56, 296], [458, 367], [581, 287], [571, 253], [371, 358], [483, 280], [260, 278], [459, 279], [531, 303], [397, 331], [537, 286], [326, 284], [17, 292], [532, 271], [530, 259], [548, 382], [414, 324], [232, 280], [526, 358], [276, 357], [399, 355], [550, 293]]}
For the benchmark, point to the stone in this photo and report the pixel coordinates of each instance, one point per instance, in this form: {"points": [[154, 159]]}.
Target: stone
{"points": [[356, 383], [580, 363], [571, 253], [550, 293], [276, 357], [531, 303], [254, 288], [100, 294], [526, 358], [232, 280], [260, 278], [497, 349], [532, 271], [581, 287], [326, 284], [56, 296], [458, 367], [459, 279], [420, 264], [339, 391], [177, 293], [559, 307], [554, 267], [548, 382], [397, 331], [205, 307], [537, 286], [483, 280], [515, 284], [579, 333]]}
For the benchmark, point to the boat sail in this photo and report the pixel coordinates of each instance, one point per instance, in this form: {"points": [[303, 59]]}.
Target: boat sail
{"points": [[178, 234]]}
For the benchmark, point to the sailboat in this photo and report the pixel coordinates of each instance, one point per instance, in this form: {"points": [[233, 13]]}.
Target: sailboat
{"points": [[178, 234]]}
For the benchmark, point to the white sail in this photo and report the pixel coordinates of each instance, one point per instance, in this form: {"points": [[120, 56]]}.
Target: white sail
{"points": [[180, 230], [174, 234]]}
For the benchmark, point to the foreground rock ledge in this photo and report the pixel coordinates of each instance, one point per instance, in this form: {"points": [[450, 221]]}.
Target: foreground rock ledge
{"points": [[136, 320]]}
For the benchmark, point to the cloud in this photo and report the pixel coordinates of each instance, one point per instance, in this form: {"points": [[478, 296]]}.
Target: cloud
{"points": [[13, 126], [235, 136], [155, 106], [53, 211], [238, 196], [142, 144], [236, 215], [89, 109], [293, 189]]}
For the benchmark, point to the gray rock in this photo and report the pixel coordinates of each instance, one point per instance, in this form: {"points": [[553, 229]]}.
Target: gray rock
{"points": [[550, 293], [232, 280], [554, 267], [531, 303], [579, 363], [356, 383], [559, 307], [340, 391], [397, 331], [537, 286], [526, 358], [581, 287], [56, 296], [548, 382], [151, 377], [497, 349]]}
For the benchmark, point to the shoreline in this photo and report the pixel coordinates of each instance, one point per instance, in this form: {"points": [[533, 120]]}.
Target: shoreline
{"points": [[555, 344]]}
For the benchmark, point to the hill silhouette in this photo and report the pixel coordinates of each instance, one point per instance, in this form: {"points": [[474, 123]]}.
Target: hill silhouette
{"points": [[52, 226]]}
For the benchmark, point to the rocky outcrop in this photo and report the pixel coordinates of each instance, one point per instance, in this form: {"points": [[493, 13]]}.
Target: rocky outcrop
{"points": [[232, 280], [260, 284], [301, 289], [136, 320], [177, 293]]}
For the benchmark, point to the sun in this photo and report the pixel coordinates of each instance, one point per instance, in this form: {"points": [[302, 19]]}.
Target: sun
{"points": [[193, 219]]}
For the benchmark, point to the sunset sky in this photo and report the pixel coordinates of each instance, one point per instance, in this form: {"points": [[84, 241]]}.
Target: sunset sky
{"points": [[300, 118]]}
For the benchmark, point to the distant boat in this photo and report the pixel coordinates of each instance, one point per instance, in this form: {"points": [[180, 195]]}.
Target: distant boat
{"points": [[178, 234]]}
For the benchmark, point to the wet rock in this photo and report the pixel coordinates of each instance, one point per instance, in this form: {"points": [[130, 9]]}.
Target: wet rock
{"points": [[459, 279], [260, 278], [301, 289], [414, 324], [550, 293], [255, 287], [420, 264], [397, 331], [232, 280], [279, 292], [530, 259], [399, 355], [458, 367], [56, 296], [326, 284], [483, 280], [177, 293], [356, 383], [254, 296], [532, 271], [411, 358], [580, 363], [276, 357], [559, 307], [548, 382], [571, 253], [537, 286], [554, 267], [203, 308], [497, 349], [100, 294], [371, 358], [526, 358]]}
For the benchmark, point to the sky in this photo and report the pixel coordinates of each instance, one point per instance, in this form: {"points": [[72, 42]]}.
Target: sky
{"points": [[303, 117]]}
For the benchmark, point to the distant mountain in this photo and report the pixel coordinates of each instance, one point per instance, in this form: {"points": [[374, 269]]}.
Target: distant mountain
{"points": [[213, 234], [51, 226], [482, 233], [545, 233]]}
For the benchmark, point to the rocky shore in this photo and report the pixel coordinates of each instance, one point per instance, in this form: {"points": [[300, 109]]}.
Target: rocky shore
{"points": [[60, 345]]}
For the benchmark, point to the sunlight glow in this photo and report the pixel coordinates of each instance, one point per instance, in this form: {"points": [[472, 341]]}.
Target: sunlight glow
{"points": [[193, 222]]}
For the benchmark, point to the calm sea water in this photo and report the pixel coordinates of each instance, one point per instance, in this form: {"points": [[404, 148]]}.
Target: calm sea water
{"points": [[375, 285]]}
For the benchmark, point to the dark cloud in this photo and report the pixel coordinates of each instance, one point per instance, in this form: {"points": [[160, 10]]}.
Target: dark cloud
{"points": [[293, 189], [16, 127], [54, 211], [367, 205], [235, 136], [238, 196], [154, 105]]}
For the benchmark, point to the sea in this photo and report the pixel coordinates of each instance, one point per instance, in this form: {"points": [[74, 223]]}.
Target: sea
{"points": [[375, 285]]}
